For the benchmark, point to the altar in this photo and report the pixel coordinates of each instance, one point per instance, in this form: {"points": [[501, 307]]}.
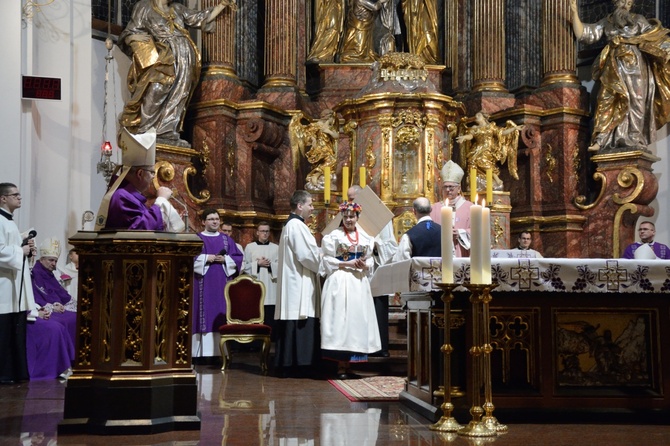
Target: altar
{"points": [[568, 335]]}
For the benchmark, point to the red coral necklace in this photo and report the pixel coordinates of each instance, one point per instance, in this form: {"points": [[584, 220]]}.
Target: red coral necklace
{"points": [[355, 240]]}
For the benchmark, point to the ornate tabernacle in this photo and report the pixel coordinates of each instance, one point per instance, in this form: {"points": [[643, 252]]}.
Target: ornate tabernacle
{"points": [[567, 336], [132, 371]]}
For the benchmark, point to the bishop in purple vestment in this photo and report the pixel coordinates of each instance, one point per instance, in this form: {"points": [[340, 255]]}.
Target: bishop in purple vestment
{"points": [[49, 293], [124, 206]]}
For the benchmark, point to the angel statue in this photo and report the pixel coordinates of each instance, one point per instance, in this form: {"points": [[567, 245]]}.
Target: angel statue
{"points": [[317, 142], [484, 145]]}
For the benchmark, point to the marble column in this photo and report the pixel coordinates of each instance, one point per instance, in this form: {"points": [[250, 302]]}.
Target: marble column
{"points": [[524, 71], [488, 37], [558, 65], [281, 33], [218, 48], [451, 44]]}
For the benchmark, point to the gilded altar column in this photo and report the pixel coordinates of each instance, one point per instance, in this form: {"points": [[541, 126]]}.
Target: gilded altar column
{"points": [[281, 33], [558, 65], [218, 48], [488, 37]]}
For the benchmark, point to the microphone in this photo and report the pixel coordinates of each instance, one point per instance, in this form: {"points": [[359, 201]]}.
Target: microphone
{"points": [[175, 192], [223, 252], [31, 235]]}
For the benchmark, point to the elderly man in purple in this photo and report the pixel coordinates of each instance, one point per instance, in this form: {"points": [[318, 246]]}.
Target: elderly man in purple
{"points": [[647, 233], [49, 293], [220, 260], [51, 339], [125, 205]]}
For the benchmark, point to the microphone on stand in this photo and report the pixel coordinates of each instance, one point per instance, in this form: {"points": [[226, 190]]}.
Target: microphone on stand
{"points": [[175, 192], [31, 235]]}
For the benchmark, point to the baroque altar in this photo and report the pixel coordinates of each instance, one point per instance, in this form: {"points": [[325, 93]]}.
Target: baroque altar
{"points": [[514, 64]]}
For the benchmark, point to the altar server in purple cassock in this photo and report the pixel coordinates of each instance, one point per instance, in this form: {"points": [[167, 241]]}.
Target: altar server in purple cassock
{"points": [[124, 206], [652, 248], [220, 261]]}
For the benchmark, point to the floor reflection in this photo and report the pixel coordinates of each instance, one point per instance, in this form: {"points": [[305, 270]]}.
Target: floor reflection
{"points": [[243, 407]]}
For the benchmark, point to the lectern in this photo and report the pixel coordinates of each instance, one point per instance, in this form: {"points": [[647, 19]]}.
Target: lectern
{"points": [[132, 371]]}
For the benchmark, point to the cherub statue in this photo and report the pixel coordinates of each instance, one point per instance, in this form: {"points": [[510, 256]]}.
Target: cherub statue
{"points": [[317, 142], [484, 145]]}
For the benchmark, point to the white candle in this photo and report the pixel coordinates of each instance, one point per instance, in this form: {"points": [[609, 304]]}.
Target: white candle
{"points": [[447, 222], [486, 245], [476, 244]]}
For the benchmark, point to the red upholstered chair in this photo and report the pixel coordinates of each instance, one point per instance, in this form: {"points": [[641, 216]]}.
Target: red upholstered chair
{"points": [[245, 297]]}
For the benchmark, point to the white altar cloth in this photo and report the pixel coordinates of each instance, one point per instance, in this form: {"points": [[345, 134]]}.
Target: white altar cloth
{"points": [[517, 274]]}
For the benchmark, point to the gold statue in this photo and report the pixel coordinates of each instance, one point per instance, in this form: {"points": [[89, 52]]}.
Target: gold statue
{"points": [[317, 142], [484, 145], [634, 97], [329, 27], [357, 40], [165, 65], [420, 17]]}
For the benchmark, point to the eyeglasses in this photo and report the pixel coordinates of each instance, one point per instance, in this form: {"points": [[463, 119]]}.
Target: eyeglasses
{"points": [[15, 195], [151, 171], [450, 187]]}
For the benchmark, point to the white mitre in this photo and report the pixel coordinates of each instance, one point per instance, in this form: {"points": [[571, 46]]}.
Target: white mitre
{"points": [[644, 252], [50, 248], [451, 172], [138, 150]]}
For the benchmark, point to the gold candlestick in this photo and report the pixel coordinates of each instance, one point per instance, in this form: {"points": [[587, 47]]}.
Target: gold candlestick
{"points": [[490, 421], [481, 363], [447, 423]]}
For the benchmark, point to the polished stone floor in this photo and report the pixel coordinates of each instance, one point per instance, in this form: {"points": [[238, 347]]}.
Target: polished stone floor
{"points": [[242, 407]]}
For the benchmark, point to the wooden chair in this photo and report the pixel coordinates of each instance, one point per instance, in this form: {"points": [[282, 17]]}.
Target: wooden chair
{"points": [[245, 298]]}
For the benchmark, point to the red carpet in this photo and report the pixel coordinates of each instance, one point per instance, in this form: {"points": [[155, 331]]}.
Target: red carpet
{"points": [[374, 388]]}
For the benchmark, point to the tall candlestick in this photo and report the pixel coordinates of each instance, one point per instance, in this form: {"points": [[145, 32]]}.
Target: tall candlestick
{"points": [[489, 186], [447, 222], [345, 179], [326, 184], [486, 245], [362, 177], [476, 243], [473, 184]]}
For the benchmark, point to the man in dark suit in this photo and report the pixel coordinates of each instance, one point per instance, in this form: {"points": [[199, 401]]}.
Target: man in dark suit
{"points": [[424, 238]]}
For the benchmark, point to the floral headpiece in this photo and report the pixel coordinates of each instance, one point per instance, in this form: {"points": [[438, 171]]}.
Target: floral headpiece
{"points": [[350, 206]]}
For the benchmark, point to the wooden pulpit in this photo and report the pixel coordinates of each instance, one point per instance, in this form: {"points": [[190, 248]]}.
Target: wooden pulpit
{"points": [[132, 370]]}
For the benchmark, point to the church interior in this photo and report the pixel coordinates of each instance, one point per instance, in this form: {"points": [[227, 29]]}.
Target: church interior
{"points": [[276, 107]]}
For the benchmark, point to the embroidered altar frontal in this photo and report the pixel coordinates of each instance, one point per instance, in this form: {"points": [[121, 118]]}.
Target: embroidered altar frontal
{"points": [[523, 274], [586, 334]]}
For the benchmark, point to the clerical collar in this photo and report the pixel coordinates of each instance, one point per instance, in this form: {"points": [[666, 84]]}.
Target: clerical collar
{"points": [[292, 216], [258, 242], [6, 214]]}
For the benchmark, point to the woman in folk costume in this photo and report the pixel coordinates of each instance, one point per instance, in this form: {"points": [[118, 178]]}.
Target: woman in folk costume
{"points": [[348, 322]]}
